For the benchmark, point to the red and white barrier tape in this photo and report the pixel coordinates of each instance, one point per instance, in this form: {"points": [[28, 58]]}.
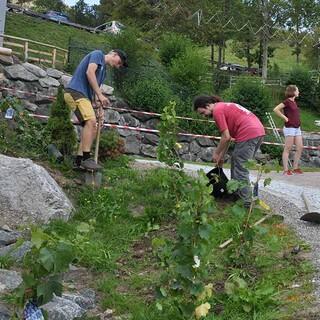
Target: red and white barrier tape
{"points": [[135, 111], [124, 127]]}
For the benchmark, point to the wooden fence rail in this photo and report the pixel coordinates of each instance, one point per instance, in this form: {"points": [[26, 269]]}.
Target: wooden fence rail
{"points": [[34, 51]]}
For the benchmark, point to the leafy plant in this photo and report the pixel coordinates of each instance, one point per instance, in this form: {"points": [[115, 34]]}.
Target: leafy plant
{"points": [[251, 299], [251, 94], [23, 135], [149, 94], [189, 71], [111, 145], [187, 266], [50, 255], [60, 130], [167, 148], [173, 46]]}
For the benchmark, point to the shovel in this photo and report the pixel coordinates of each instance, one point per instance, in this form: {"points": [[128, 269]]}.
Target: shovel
{"points": [[310, 216]]}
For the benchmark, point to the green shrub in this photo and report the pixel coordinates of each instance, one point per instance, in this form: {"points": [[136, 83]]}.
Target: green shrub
{"points": [[111, 145], [60, 130], [149, 94], [173, 46], [22, 136], [251, 94], [189, 71], [300, 77]]}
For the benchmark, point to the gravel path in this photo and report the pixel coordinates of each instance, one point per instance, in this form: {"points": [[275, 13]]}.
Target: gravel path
{"points": [[284, 197]]}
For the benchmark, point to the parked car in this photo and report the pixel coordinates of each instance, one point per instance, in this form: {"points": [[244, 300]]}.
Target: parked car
{"points": [[114, 27], [57, 16], [232, 67]]}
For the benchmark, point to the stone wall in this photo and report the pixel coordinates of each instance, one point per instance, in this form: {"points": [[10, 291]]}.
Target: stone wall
{"points": [[40, 82]]}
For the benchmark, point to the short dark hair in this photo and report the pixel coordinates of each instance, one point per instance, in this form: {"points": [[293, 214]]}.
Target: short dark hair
{"points": [[203, 101], [123, 56], [290, 91]]}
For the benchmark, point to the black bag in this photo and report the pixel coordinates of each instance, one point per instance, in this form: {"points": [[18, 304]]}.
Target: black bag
{"points": [[218, 180]]}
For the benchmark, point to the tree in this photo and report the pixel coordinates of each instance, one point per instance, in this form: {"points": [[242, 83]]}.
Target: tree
{"points": [[301, 14], [44, 5], [59, 129]]}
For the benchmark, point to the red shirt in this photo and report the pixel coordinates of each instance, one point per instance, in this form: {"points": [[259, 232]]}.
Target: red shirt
{"points": [[292, 112], [242, 124]]}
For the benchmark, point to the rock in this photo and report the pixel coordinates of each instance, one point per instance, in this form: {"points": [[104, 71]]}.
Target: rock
{"points": [[31, 194], [126, 133], [49, 82], [9, 280], [6, 60], [107, 90], [16, 253], [194, 147], [150, 138], [85, 299], [37, 71], [5, 313], [127, 120], [7, 237], [107, 314], [112, 116], [63, 309], [64, 80], [18, 72], [152, 124], [54, 73], [30, 106], [132, 145], [184, 148], [205, 142], [149, 151], [143, 117], [189, 157], [206, 154], [185, 138], [2, 77]]}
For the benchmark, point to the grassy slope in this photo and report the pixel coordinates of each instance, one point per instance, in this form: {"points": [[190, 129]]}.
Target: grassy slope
{"points": [[48, 32]]}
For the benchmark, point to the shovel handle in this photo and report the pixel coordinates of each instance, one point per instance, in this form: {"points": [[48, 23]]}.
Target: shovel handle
{"points": [[306, 202], [96, 151]]}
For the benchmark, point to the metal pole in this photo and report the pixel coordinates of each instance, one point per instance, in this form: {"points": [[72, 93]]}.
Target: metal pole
{"points": [[3, 10]]}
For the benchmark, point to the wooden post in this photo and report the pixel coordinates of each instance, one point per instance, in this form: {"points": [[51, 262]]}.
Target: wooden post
{"points": [[54, 57], [25, 51], [3, 11]]}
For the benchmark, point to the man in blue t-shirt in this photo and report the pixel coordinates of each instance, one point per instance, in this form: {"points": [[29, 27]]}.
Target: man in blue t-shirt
{"points": [[80, 92]]}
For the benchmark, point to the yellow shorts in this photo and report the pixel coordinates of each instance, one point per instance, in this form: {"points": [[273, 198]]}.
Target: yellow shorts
{"points": [[82, 108]]}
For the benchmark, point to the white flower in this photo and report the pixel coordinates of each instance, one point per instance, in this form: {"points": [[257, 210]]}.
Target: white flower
{"points": [[196, 262]]}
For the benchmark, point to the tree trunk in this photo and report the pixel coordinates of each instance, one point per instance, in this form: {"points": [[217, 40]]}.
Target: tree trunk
{"points": [[212, 55], [265, 39], [219, 55]]}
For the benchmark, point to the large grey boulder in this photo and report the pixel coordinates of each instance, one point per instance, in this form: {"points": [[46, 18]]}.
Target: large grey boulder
{"points": [[37, 71], [127, 120], [19, 72], [9, 280], [30, 193], [206, 154], [63, 309], [149, 151], [54, 73], [150, 138], [49, 82]]}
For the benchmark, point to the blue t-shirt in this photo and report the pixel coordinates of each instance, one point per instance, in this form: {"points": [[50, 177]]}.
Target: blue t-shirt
{"points": [[79, 81]]}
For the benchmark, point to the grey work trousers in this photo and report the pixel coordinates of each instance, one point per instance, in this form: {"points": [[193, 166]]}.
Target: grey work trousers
{"points": [[244, 151]]}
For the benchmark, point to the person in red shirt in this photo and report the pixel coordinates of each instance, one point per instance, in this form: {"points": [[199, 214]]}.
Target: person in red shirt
{"points": [[289, 111], [234, 123]]}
